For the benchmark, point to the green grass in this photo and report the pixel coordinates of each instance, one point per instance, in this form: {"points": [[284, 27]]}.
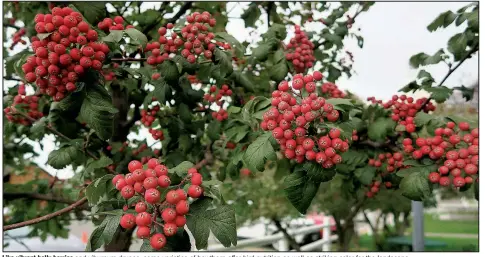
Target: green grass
{"points": [[453, 244], [432, 224]]}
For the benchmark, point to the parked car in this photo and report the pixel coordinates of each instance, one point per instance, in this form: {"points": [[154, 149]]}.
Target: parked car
{"points": [[264, 227], [16, 240]]}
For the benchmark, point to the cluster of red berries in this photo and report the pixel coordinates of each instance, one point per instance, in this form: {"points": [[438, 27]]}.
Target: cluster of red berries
{"points": [[220, 115], [355, 137], [374, 188], [404, 109], [58, 62], [193, 79], [148, 116], [17, 38], [214, 96], [31, 105], [458, 155], [168, 215], [394, 161], [329, 89], [300, 51], [288, 120], [113, 24], [156, 134], [140, 149], [193, 41]]}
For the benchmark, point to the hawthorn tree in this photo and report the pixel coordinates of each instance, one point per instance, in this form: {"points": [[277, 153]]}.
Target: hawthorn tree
{"points": [[94, 73]]}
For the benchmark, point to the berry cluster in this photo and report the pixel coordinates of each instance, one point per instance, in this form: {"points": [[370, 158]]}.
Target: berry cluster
{"points": [[220, 115], [113, 24], [355, 137], [404, 109], [193, 41], [214, 96], [329, 89], [300, 51], [65, 54], [375, 187], [17, 38], [289, 121], [156, 134], [148, 116], [393, 160], [154, 214], [457, 154], [31, 106]]}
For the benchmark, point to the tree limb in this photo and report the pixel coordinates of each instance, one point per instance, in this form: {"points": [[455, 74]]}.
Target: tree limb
{"points": [[290, 239], [36, 196], [46, 217], [181, 12]]}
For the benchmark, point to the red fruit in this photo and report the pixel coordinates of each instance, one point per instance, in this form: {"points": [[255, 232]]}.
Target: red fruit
{"points": [[134, 165], [471, 169], [116, 178], [143, 232], [458, 181], [434, 177], [468, 180], [464, 126], [443, 170], [161, 170], [158, 241], [127, 192], [164, 181], [152, 195], [152, 163], [140, 207], [196, 179], [195, 191], [172, 197], [317, 75], [182, 207], [180, 221], [139, 175], [169, 229], [334, 133], [150, 182], [456, 172], [120, 183], [330, 152], [417, 154], [445, 181], [182, 194], [128, 221], [169, 214], [410, 128], [143, 219]]}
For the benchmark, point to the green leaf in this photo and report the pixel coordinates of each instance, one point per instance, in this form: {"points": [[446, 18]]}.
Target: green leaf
{"points": [[341, 103], [360, 41], [39, 126], [214, 130], [335, 39], [59, 159], [224, 62], [93, 12], [96, 238], [261, 52], [422, 119], [415, 186], [137, 36], [418, 59], [466, 92], [283, 168], [112, 225], [435, 58], [300, 190], [379, 129], [439, 94], [251, 15], [412, 86], [182, 168], [185, 113], [97, 189], [98, 111], [279, 71], [161, 90], [457, 45], [365, 174], [100, 163], [316, 172], [235, 44], [443, 20], [258, 152], [425, 77], [279, 56], [221, 221], [114, 36]]}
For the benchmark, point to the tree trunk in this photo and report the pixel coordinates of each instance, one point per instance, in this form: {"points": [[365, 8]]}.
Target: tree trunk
{"points": [[121, 242], [345, 234]]}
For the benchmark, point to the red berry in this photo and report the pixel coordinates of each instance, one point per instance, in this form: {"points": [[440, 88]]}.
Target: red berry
{"points": [[172, 197], [169, 229], [195, 191], [182, 207], [152, 195], [143, 219], [127, 192], [180, 221], [143, 232], [169, 214], [128, 221], [134, 165], [434, 177], [464, 126], [196, 179], [158, 241], [140, 207]]}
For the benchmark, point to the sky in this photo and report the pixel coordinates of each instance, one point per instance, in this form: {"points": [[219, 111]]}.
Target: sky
{"points": [[392, 32]]}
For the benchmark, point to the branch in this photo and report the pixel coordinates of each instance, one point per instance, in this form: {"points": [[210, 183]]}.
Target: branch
{"points": [[290, 239], [36, 196], [46, 217], [11, 26], [354, 211], [11, 78], [370, 223], [450, 71], [268, 11], [181, 12]]}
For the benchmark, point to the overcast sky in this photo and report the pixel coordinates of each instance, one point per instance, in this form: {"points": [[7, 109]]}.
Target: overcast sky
{"points": [[392, 33]]}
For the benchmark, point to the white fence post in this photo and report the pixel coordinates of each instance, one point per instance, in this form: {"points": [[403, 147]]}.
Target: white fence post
{"points": [[283, 245], [326, 234]]}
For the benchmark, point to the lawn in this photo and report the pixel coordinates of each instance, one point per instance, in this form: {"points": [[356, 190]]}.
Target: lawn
{"points": [[453, 244], [433, 225]]}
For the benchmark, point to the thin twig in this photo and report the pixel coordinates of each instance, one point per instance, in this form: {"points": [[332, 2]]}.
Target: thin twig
{"points": [[11, 78], [11, 26], [46, 217]]}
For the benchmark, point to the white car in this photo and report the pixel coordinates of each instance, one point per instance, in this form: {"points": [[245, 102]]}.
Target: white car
{"points": [[16, 240]]}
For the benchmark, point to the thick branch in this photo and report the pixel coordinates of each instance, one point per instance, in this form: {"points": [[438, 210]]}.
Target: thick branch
{"points": [[370, 223], [268, 11], [181, 12], [46, 217], [354, 211], [36, 196], [290, 239]]}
